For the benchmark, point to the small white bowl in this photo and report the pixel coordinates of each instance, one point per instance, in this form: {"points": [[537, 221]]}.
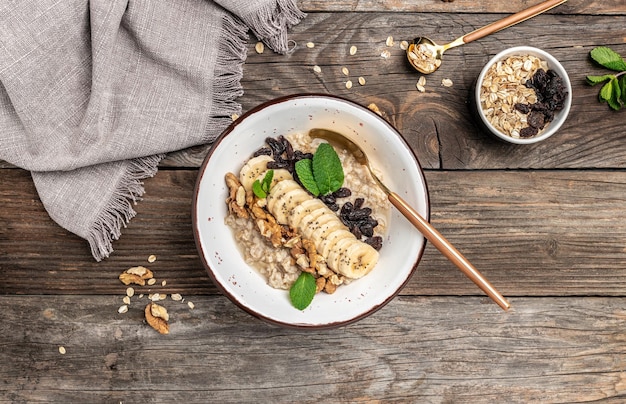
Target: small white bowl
{"points": [[559, 117], [403, 245]]}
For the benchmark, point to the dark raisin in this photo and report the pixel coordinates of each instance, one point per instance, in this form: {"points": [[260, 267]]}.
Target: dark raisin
{"points": [[334, 207], [299, 155], [264, 151], [373, 222], [358, 202], [367, 229], [356, 231], [289, 153], [342, 193], [359, 214], [528, 131], [347, 208], [274, 165], [376, 242], [276, 146], [536, 119], [523, 108], [328, 199]]}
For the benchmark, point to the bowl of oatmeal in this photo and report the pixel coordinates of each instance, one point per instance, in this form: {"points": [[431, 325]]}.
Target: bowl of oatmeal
{"points": [[522, 95], [259, 235]]}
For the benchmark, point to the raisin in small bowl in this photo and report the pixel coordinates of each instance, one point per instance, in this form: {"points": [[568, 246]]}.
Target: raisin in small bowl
{"points": [[522, 95]]}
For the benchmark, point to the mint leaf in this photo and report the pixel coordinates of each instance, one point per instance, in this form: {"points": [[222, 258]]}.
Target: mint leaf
{"points": [[262, 188], [257, 188], [610, 93], [302, 291], [608, 58], [304, 170], [267, 180], [593, 80], [327, 169]]}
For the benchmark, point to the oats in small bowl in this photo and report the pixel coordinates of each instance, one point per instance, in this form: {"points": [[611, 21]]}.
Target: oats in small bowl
{"points": [[522, 95]]}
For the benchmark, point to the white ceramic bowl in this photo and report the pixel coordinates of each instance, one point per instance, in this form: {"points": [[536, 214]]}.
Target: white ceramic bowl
{"points": [[559, 117], [403, 245]]}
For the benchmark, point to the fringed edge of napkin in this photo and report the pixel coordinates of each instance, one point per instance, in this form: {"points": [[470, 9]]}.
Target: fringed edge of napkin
{"points": [[119, 210], [227, 87], [270, 23]]}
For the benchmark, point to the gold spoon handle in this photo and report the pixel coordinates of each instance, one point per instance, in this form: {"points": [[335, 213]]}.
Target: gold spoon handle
{"points": [[510, 20], [447, 249]]}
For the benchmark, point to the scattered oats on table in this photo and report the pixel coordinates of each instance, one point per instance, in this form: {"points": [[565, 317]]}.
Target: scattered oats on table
{"points": [[345, 71], [446, 83], [389, 41], [349, 84], [317, 69], [362, 80], [126, 300], [62, 350], [152, 257], [234, 117], [123, 309], [259, 47], [404, 45], [176, 297], [310, 45], [353, 50], [385, 54]]}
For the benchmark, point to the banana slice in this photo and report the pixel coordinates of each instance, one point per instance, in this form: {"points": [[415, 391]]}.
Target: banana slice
{"points": [[328, 243], [280, 174], [278, 191], [300, 211], [338, 252], [283, 206], [309, 222], [253, 169], [328, 223], [358, 260]]}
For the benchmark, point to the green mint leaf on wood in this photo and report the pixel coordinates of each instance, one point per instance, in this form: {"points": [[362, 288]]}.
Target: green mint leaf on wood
{"points": [[262, 188], [611, 94], [608, 58], [593, 80], [304, 170], [613, 91], [327, 169], [302, 291]]}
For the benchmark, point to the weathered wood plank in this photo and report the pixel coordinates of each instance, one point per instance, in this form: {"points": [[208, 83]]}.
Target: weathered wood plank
{"points": [[545, 233], [438, 124], [416, 349], [459, 6]]}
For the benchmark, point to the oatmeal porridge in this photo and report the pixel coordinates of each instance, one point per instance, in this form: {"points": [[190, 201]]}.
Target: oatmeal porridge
{"points": [[335, 237]]}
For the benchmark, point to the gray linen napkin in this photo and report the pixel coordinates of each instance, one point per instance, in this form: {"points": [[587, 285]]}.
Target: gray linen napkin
{"points": [[94, 93]]}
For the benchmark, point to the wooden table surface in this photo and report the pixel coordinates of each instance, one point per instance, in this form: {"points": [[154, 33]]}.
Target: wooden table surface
{"points": [[545, 223]]}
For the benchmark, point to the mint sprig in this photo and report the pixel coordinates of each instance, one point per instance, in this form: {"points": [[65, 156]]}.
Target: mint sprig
{"points": [[613, 91], [262, 188], [302, 291], [323, 174]]}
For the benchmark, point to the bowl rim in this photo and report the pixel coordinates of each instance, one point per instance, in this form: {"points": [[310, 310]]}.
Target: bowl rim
{"points": [[552, 62], [202, 253]]}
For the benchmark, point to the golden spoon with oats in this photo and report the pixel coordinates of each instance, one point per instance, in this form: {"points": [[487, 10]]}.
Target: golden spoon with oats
{"points": [[425, 55]]}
